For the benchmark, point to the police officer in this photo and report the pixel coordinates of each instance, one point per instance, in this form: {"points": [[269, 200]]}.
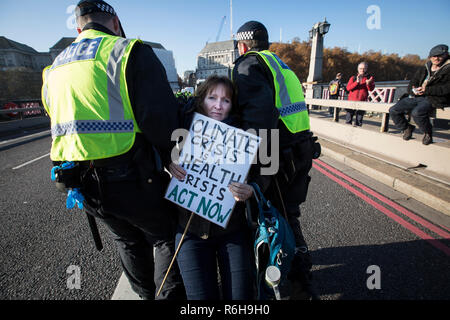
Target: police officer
{"points": [[111, 109], [270, 96]]}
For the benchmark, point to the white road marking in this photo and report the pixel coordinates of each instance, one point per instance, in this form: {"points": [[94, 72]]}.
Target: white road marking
{"points": [[31, 161], [42, 133]]}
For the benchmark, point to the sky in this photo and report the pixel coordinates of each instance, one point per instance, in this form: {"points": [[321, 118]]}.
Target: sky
{"points": [[184, 27]]}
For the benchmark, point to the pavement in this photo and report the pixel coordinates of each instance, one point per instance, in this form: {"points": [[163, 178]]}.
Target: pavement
{"points": [[394, 168], [431, 191]]}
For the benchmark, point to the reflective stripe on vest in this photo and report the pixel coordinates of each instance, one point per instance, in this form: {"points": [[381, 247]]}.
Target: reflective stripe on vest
{"points": [[91, 119], [293, 111]]}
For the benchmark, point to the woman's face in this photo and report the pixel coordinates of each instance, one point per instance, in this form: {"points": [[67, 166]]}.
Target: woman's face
{"points": [[217, 103]]}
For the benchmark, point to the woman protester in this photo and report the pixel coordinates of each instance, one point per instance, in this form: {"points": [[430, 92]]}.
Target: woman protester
{"points": [[209, 250]]}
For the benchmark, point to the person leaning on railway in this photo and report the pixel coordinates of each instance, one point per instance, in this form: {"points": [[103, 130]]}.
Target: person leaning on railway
{"points": [[270, 96], [111, 108], [428, 90]]}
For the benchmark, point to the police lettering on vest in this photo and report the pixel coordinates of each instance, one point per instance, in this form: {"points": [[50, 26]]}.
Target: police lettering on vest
{"points": [[86, 49]]}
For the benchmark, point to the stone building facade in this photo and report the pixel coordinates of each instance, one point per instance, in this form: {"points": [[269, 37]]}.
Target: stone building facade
{"points": [[17, 55], [216, 58]]}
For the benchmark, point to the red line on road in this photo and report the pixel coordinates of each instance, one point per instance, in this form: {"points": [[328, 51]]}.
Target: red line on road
{"points": [[387, 201], [434, 242]]}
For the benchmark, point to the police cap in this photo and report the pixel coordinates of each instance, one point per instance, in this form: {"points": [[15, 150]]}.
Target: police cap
{"points": [[252, 30], [90, 6]]}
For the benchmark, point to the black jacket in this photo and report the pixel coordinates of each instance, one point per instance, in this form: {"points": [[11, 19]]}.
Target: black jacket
{"points": [[256, 98], [438, 87], [199, 226], [256, 105]]}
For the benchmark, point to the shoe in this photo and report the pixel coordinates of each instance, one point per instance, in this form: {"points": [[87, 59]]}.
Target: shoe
{"points": [[427, 139], [407, 134], [303, 289]]}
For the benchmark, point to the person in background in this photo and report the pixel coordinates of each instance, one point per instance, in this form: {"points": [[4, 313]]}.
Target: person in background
{"points": [[334, 88], [358, 87], [428, 90]]}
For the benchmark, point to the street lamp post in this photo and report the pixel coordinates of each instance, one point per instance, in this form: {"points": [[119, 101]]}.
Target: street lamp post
{"points": [[316, 61]]}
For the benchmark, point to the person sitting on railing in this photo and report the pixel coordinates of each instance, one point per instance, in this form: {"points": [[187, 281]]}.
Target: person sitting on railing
{"points": [[428, 89], [358, 87]]}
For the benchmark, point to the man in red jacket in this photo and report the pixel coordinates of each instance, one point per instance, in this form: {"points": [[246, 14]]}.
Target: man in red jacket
{"points": [[358, 87]]}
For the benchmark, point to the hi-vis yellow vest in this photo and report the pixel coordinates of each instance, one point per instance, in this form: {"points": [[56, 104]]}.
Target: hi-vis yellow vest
{"points": [[85, 93], [289, 98]]}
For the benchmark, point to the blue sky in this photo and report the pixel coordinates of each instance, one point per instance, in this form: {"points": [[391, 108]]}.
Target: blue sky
{"points": [[184, 27]]}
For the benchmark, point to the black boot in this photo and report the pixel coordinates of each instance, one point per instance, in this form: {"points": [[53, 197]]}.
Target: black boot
{"points": [[427, 139], [407, 134], [301, 276]]}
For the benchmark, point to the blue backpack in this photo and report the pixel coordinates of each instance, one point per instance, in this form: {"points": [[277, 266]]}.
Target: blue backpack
{"points": [[274, 245]]}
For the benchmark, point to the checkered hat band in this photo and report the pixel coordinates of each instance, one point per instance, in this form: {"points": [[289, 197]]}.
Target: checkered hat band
{"points": [[292, 109], [100, 6], [104, 7], [246, 35], [93, 126]]}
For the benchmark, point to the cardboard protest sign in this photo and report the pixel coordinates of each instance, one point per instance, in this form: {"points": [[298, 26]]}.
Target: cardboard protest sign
{"points": [[214, 154]]}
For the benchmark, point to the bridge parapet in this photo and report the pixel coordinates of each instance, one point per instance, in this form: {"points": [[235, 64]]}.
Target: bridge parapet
{"points": [[380, 143]]}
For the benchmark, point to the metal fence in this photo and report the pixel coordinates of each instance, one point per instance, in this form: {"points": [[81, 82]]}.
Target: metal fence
{"points": [[21, 109]]}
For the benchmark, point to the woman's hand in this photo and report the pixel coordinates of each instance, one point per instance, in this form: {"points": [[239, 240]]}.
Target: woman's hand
{"points": [[177, 171], [240, 191]]}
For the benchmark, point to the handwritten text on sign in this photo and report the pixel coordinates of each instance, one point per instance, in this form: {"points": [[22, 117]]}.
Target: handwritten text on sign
{"points": [[214, 154]]}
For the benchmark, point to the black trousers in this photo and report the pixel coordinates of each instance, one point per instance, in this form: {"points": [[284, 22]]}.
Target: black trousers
{"points": [[293, 189], [294, 182], [420, 108], [140, 221], [359, 116]]}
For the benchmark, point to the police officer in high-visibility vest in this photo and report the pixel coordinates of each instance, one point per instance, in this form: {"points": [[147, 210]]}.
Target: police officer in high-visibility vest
{"points": [[270, 96], [111, 110]]}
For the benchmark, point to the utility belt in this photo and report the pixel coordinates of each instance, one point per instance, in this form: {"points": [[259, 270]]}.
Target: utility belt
{"points": [[140, 162]]}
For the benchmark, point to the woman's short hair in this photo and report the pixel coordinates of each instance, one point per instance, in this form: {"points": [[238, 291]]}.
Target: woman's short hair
{"points": [[210, 84]]}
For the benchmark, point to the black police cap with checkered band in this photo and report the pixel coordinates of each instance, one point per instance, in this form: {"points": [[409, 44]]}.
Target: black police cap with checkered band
{"points": [[89, 6], [252, 30]]}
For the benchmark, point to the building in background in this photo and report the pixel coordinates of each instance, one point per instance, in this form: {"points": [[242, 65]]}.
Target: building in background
{"points": [[17, 55], [166, 58], [216, 58]]}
